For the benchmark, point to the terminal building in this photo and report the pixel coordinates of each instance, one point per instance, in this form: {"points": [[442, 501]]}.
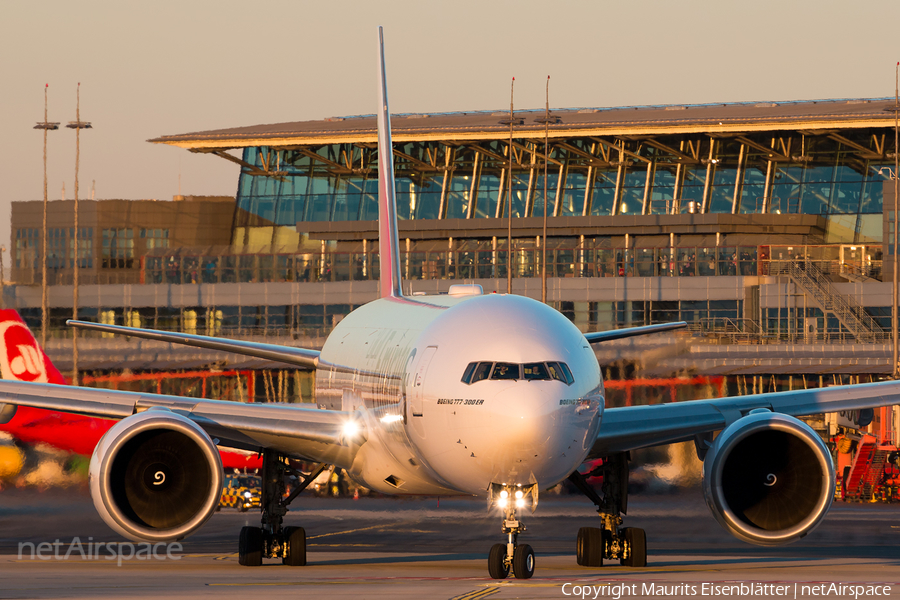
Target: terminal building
{"points": [[765, 226]]}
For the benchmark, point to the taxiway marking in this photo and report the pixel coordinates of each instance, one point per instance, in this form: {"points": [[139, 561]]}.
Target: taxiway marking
{"points": [[476, 594]]}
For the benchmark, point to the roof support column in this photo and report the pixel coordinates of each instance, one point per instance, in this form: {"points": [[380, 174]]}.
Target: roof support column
{"points": [[738, 180], [532, 176], [676, 192], [679, 183], [620, 176], [560, 185], [710, 170], [448, 173], [473, 189], [588, 191], [767, 190], [498, 213], [648, 186]]}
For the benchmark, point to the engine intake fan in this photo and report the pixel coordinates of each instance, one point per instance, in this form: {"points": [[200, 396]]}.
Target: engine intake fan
{"points": [[768, 478], [156, 476]]}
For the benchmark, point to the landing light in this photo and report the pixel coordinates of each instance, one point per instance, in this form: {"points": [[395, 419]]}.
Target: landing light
{"points": [[520, 503], [391, 418], [504, 494], [519, 494], [351, 429]]}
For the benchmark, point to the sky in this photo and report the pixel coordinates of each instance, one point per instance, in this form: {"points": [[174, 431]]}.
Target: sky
{"points": [[166, 67]]}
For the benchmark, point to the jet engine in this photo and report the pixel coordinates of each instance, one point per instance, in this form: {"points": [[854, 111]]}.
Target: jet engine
{"points": [[768, 478], [156, 476]]}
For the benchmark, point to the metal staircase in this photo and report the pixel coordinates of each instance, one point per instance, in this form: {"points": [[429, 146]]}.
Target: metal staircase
{"points": [[875, 474], [855, 486], [810, 277]]}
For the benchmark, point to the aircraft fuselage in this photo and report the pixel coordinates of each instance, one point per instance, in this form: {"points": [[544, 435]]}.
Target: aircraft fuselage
{"points": [[430, 432]]}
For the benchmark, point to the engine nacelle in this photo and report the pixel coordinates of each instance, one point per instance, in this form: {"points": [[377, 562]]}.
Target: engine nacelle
{"points": [[768, 478], [156, 476]]}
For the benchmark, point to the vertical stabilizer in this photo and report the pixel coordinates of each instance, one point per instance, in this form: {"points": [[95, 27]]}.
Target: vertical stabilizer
{"points": [[388, 244]]}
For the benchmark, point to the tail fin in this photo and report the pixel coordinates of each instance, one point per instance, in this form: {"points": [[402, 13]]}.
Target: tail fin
{"points": [[21, 356], [22, 359], [388, 244]]}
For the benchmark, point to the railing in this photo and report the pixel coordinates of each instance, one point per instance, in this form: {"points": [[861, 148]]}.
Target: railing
{"points": [[811, 278], [475, 261], [735, 330]]}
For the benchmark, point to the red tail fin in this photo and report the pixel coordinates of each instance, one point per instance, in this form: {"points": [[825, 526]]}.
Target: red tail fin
{"points": [[21, 357]]}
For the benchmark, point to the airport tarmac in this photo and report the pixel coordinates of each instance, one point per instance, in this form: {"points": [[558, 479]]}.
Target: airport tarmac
{"points": [[425, 548]]}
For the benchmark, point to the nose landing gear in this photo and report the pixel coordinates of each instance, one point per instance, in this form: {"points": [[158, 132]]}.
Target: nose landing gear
{"points": [[628, 544], [511, 555]]}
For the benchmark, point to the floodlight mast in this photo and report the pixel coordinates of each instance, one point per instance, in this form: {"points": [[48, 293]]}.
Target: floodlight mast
{"points": [[546, 167], [895, 288], [46, 126], [77, 125], [509, 255]]}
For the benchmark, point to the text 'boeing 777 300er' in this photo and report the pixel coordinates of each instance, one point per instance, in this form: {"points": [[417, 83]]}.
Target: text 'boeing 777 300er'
{"points": [[464, 393]]}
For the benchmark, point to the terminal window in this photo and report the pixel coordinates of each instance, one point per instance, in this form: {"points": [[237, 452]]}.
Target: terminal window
{"points": [[118, 248]]}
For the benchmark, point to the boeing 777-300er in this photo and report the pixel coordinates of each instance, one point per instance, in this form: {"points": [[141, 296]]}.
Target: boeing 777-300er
{"points": [[464, 393]]}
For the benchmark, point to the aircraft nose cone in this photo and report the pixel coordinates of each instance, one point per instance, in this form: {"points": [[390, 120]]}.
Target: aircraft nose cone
{"points": [[525, 435], [522, 415]]}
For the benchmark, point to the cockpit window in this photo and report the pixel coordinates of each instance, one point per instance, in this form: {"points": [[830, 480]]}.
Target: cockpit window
{"points": [[569, 379], [556, 372], [505, 371], [478, 371], [560, 372], [535, 371], [482, 371]]}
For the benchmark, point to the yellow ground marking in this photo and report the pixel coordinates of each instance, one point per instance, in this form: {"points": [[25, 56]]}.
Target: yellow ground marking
{"points": [[476, 594], [321, 535], [283, 583]]}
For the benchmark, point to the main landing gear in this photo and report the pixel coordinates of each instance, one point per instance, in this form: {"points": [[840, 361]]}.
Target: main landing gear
{"points": [[628, 544], [272, 540], [511, 555]]}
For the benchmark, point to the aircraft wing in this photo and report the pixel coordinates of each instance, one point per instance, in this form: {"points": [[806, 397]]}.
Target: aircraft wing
{"points": [[617, 334], [300, 357], [291, 429], [633, 427]]}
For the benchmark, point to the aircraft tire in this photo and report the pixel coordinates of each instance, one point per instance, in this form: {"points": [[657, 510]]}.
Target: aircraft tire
{"points": [[589, 547], [295, 551], [636, 542], [250, 547], [523, 562], [497, 565]]}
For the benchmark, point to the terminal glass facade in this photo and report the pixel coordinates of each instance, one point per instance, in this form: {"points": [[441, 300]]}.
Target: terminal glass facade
{"points": [[835, 175]]}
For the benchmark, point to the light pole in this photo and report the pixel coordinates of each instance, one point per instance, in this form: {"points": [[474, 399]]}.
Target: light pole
{"points": [[895, 330], [45, 126], [509, 265], [546, 166], [77, 125]]}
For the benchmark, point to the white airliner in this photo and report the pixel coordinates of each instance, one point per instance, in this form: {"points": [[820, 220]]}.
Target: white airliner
{"points": [[464, 393]]}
